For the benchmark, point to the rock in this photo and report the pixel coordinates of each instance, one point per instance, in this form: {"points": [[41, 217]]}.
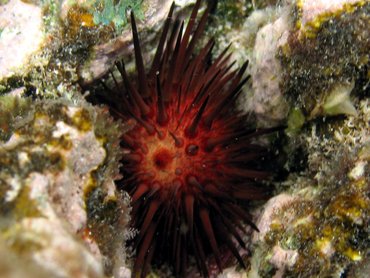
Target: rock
{"points": [[267, 100], [53, 158], [315, 228], [21, 35], [337, 42], [104, 55], [311, 10]]}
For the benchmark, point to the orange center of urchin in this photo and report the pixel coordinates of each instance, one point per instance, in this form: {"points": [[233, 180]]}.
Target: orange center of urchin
{"points": [[169, 157], [162, 159]]}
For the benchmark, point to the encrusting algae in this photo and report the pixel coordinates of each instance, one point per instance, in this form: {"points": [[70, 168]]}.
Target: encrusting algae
{"points": [[56, 157], [338, 57], [324, 224]]}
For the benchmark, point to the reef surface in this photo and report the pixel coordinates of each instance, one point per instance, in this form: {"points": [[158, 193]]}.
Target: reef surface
{"points": [[61, 214]]}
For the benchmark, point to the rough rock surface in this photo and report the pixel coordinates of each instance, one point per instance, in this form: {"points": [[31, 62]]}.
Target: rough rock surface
{"points": [[52, 161], [21, 35]]}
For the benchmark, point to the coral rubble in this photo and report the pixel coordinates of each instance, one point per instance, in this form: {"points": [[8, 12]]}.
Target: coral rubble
{"points": [[334, 53], [317, 226], [55, 158], [322, 227]]}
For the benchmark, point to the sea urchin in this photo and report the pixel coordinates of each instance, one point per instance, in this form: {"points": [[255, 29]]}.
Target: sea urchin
{"points": [[190, 161]]}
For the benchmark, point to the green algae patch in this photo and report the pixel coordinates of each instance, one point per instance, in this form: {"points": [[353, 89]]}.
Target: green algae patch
{"points": [[109, 12], [296, 120]]}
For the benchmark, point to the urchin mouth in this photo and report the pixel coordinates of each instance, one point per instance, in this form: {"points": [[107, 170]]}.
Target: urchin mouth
{"points": [[163, 159]]}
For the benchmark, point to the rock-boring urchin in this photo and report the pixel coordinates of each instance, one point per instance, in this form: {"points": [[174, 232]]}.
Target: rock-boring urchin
{"points": [[190, 163]]}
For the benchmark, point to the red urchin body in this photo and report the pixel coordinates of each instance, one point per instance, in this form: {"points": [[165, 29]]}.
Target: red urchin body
{"points": [[190, 164]]}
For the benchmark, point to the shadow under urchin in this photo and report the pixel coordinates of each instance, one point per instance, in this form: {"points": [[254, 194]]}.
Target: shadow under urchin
{"points": [[190, 164]]}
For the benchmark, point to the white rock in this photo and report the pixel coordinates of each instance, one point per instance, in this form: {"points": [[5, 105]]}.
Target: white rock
{"points": [[21, 35], [267, 100], [358, 171], [269, 210], [312, 8], [282, 257], [58, 251]]}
